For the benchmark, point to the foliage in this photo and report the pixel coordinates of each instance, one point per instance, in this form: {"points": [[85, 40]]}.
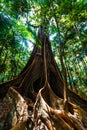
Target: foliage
{"points": [[66, 24]]}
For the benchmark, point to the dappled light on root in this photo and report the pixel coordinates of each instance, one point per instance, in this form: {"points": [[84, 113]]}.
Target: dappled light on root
{"points": [[50, 109]]}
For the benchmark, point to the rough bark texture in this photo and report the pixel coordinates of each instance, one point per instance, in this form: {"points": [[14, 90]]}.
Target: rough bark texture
{"points": [[35, 99]]}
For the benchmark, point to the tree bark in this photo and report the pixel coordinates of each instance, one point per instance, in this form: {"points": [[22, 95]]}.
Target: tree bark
{"points": [[37, 97]]}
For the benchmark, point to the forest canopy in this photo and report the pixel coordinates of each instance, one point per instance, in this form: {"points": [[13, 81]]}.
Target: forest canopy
{"points": [[64, 22]]}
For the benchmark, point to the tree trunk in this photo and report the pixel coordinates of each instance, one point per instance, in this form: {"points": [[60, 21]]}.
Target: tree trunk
{"points": [[35, 99]]}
